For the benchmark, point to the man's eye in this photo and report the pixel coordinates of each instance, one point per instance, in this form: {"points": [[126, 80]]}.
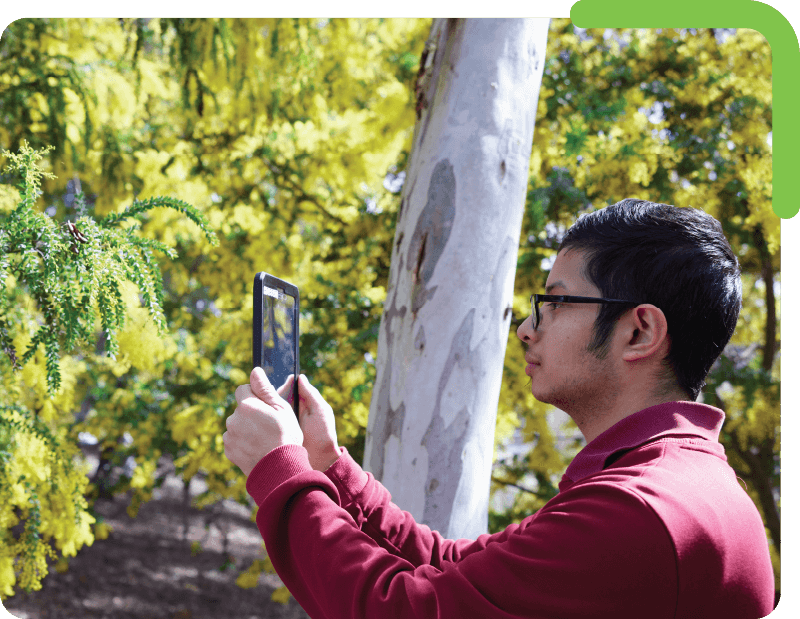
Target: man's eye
{"points": [[553, 305]]}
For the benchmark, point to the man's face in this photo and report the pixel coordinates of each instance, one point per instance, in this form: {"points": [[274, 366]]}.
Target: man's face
{"points": [[562, 371]]}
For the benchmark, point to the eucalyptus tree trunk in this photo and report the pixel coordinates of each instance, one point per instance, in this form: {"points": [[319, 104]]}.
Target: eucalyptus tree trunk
{"points": [[446, 319]]}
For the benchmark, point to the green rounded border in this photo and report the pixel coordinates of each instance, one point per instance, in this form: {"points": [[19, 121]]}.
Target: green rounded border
{"points": [[726, 14]]}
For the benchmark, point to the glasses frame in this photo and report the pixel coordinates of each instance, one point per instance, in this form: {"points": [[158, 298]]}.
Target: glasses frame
{"points": [[559, 298]]}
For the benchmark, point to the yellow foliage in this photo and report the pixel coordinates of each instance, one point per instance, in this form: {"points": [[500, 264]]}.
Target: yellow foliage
{"points": [[9, 198], [143, 474], [639, 174], [42, 479], [376, 294], [238, 377], [247, 580], [7, 576], [281, 595], [102, 530], [183, 423]]}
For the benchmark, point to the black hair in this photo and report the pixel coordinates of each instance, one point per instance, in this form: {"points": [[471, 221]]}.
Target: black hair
{"points": [[677, 259]]}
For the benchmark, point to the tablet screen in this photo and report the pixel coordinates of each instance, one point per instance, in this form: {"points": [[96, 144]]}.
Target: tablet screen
{"points": [[278, 335]]}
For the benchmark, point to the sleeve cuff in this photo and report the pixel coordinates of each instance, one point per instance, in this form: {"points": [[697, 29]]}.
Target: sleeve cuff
{"points": [[278, 466], [286, 461], [348, 477]]}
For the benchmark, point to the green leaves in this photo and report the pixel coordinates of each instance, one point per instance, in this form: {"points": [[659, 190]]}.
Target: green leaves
{"points": [[139, 207], [59, 281], [74, 271], [576, 138]]}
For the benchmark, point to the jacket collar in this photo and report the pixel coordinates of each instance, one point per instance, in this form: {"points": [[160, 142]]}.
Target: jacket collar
{"points": [[685, 419]]}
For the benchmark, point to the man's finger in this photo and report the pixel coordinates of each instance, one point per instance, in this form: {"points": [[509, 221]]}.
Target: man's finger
{"points": [[286, 388], [306, 388], [262, 388], [242, 392]]}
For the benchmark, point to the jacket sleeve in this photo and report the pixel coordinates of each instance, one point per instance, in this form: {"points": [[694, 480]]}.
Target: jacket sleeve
{"points": [[344, 550], [370, 505]]}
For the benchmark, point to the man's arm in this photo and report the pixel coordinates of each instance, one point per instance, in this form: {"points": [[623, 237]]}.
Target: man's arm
{"points": [[366, 500], [597, 551], [370, 505]]}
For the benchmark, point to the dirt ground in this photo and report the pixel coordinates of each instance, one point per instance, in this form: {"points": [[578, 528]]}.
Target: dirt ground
{"points": [[146, 570]]}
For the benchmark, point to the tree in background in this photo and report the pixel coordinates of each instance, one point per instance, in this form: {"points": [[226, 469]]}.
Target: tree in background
{"points": [[292, 138], [443, 333]]}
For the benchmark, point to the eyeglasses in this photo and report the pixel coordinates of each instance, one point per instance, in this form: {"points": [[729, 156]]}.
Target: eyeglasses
{"points": [[557, 298]]}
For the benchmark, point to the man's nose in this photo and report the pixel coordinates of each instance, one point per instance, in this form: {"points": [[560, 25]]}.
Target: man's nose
{"points": [[525, 331]]}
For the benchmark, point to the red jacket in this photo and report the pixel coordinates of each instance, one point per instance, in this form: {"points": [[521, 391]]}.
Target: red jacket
{"points": [[650, 521]]}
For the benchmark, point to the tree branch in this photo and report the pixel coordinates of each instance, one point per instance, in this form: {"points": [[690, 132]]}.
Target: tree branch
{"points": [[513, 485], [302, 196], [768, 274]]}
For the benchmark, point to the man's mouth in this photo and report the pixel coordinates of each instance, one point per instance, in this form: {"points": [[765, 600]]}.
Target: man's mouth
{"points": [[532, 364]]}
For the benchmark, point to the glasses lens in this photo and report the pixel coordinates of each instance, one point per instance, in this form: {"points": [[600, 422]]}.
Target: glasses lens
{"points": [[534, 312]]}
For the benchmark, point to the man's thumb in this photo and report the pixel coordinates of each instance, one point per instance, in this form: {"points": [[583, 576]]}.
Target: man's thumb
{"points": [[260, 385], [307, 389]]}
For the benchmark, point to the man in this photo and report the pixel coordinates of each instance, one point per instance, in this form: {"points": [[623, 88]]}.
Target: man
{"points": [[650, 521]]}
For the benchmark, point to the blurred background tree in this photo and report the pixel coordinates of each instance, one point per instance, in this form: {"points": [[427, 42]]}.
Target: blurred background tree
{"points": [[291, 137]]}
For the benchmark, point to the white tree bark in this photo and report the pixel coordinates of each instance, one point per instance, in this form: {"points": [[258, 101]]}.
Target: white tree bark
{"points": [[446, 320]]}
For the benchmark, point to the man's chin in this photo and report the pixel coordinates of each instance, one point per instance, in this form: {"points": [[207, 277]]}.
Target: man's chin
{"points": [[540, 395]]}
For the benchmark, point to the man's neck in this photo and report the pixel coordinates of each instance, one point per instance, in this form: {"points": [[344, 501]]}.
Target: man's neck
{"points": [[594, 425]]}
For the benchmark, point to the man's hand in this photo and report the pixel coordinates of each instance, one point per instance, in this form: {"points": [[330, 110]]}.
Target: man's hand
{"points": [[262, 421], [318, 424]]}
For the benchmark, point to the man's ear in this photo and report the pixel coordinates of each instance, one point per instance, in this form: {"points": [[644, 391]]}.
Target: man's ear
{"points": [[645, 330]]}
